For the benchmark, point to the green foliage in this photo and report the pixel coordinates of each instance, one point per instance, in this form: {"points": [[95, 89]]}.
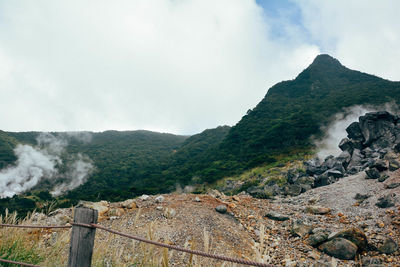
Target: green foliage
{"points": [[7, 144], [293, 111], [13, 249]]}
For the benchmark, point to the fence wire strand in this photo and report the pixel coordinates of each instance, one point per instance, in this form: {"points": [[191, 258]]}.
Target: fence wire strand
{"points": [[19, 263], [141, 239], [196, 252], [34, 226]]}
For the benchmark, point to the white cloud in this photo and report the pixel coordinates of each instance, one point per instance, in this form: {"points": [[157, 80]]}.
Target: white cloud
{"points": [[363, 35], [175, 66]]}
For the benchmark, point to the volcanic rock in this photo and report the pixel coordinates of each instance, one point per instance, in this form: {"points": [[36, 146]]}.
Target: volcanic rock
{"points": [[354, 235], [386, 201], [317, 210], [372, 173], [389, 246], [276, 216], [299, 228], [221, 209], [340, 248], [394, 165]]}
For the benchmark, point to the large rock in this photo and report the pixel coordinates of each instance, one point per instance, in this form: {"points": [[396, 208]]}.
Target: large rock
{"points": [[314, 167], [356, 158], [317, 210], [261, 192], [394, 165], [380, 165], [276, 216], [324, 179], [221, 209], [344, 158], [372, 173], [346, 145], [317, 238], [354, 132], [339, 248], [102, 207], [389, 246], [292, 190], [335, 173], [386, 201], [129, 204], [354, 235], [378, 129], [299, 228]]}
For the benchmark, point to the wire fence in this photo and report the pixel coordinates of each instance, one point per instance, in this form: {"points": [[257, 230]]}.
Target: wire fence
{"points": [[138, 238]]}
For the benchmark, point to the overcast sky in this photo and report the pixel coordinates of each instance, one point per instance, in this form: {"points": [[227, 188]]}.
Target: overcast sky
{"points": [[177, 66]]}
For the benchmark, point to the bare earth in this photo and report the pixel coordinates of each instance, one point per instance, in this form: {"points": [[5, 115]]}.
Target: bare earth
{"points": [[181, 220]]}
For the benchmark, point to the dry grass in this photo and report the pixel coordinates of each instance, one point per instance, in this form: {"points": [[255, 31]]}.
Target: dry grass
{"points": [[51, 247]]}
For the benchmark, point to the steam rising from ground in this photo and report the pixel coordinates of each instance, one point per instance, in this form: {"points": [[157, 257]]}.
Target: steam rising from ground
{"points": [[336, 130], [42, 162]]}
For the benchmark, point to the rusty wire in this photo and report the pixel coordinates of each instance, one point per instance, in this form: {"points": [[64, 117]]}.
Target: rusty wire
{"points": [[196, 252], [141, 239], [34, 226], [19, 263]]}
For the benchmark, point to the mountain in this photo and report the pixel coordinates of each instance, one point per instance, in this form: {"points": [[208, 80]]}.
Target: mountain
{"points": [[293, 111]]}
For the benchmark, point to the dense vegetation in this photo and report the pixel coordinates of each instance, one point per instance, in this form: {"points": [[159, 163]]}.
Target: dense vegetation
{"points": [[294, 110], [7, 144], [132, 163]]}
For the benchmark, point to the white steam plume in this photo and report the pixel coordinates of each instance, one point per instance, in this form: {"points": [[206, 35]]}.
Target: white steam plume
{"points": [[31, 166], [43, 162], [336, 130], [76, 175]]}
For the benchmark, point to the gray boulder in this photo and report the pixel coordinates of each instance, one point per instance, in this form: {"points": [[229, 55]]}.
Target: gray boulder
{"points": [[389, 246], [314, 167], [276, 216], [317, 238], [292, 190], [354, 132], [372, 173], [259, 192], [378, 129], [344, 158], [383, 178], [394, 165], [221, 209], [380, 165], [356, 158], [335, 173], [386, 201], [299, 228], [339, 248], [346, 145]]}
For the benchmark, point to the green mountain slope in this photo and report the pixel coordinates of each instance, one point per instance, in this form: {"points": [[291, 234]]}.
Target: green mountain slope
{"points": [[7, 144], [293, 111], [194, 154]]}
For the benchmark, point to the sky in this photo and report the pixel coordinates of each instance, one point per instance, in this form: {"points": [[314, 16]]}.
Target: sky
{"points": [[178, 66]]}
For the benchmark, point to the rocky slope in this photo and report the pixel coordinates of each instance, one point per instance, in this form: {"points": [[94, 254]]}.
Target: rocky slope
{"points": [[298, 231]]}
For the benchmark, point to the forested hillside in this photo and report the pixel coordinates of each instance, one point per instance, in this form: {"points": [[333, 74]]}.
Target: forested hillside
{"points": [[294, 110], [131, 163], [7, 144]]}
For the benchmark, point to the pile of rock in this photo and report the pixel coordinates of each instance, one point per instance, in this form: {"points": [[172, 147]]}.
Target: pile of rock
{"points": [[371, 145]]}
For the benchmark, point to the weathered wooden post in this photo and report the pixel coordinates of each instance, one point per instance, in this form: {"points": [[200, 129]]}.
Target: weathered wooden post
{"points": [[82, 238]]}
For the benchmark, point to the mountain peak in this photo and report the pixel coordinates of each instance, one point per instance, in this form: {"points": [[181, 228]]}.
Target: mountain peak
{"points": [[325, 60]]}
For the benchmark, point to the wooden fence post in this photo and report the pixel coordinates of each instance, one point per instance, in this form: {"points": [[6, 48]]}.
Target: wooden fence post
{"points": [[82, 238]]}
